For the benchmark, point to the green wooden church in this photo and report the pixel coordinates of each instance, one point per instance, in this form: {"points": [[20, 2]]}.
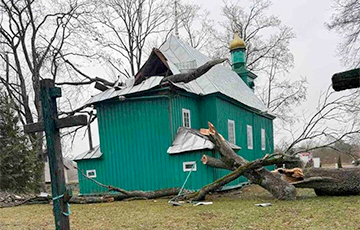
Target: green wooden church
{"points": [[147, 129]]}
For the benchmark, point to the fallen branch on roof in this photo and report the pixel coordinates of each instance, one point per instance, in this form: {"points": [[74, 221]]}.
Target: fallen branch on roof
{"points": [[192, 75]]}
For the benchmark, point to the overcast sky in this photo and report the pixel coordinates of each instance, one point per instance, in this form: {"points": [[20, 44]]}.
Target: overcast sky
{"points": [[314, 47]]}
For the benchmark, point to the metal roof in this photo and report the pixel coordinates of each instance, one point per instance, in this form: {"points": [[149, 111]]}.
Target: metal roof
{"points": [[188, 139], [217, 79], [91, 154], [180, 55], [112, 92]]}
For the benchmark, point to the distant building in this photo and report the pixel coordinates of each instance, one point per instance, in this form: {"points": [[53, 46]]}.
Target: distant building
{"points": [[147, 129], [71, 173]]}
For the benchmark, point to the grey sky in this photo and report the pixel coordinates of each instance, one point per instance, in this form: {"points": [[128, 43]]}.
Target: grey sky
{"points": [[314, 47]]}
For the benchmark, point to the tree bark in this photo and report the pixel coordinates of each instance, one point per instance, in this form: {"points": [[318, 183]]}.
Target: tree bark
{"points": [[216, 185], [261, 176], [241, 170], [192, 75], [125, 195], [216, 163], [90, 199], [331, 182], [147, 194]]}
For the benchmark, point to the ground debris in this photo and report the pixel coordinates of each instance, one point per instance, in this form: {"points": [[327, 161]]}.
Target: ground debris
{"points": [[263, 205], [8, 199]]}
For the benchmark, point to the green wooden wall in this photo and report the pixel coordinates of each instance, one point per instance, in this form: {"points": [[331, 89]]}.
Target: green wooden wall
{"points": [[135, 135], [243, 117], [134, 138]]}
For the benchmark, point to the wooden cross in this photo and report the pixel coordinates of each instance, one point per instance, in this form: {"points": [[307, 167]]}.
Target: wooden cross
{"points": [[51, 125]]}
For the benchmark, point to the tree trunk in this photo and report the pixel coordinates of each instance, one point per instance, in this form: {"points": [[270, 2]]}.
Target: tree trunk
{"points": [[90, 199], [147, 194], [331, 182], [241, 170], [192, 75], [125, 195], [261, 176]]}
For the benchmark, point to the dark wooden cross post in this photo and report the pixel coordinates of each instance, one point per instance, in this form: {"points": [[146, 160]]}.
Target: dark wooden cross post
{"points": [[51, 125]]}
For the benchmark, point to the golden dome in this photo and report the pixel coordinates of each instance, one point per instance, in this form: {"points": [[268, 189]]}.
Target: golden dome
{"points": [[237, 42]]}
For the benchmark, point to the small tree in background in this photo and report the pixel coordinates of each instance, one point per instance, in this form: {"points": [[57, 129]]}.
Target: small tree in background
{"points": [[19, 165]]}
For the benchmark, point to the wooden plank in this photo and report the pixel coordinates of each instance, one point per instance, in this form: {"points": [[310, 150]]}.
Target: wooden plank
{"points": [[60, 123], [34, 127], [72, 121]]}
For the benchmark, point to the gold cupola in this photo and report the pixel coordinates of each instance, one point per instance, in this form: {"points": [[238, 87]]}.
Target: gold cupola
{"points": [[237, 42]]}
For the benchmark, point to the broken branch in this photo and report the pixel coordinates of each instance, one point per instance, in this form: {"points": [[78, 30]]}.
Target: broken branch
{"points": [[192, 75]]}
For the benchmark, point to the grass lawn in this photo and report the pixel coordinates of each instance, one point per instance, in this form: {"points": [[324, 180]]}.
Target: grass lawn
{"points": [[231, 211]]}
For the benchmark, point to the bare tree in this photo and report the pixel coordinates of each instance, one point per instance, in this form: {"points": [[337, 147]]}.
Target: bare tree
{"points": [[123, 28], [32, 42], [346, 22], [335, 119], [276, 89], [33, 38], [196, 25], [268, 55]]}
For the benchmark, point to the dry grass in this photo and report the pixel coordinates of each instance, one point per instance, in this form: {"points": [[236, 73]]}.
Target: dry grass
{"points": [[230, 211]]}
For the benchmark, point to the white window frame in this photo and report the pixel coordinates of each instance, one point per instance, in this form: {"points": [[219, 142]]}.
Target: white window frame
{"points": [[250, 138], [233, 124], [186, 111], [185, 169], [263, 139], [91, 171]]}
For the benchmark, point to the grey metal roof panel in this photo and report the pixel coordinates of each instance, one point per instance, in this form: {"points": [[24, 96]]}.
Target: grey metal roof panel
{"points": [[111, 93], [91, 154], [192, 140], [217, 79]]}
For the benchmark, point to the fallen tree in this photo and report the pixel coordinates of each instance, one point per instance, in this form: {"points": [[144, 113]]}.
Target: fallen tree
{"points": [[249, 167], [253, 171], [325, 182], [331, 181]]}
